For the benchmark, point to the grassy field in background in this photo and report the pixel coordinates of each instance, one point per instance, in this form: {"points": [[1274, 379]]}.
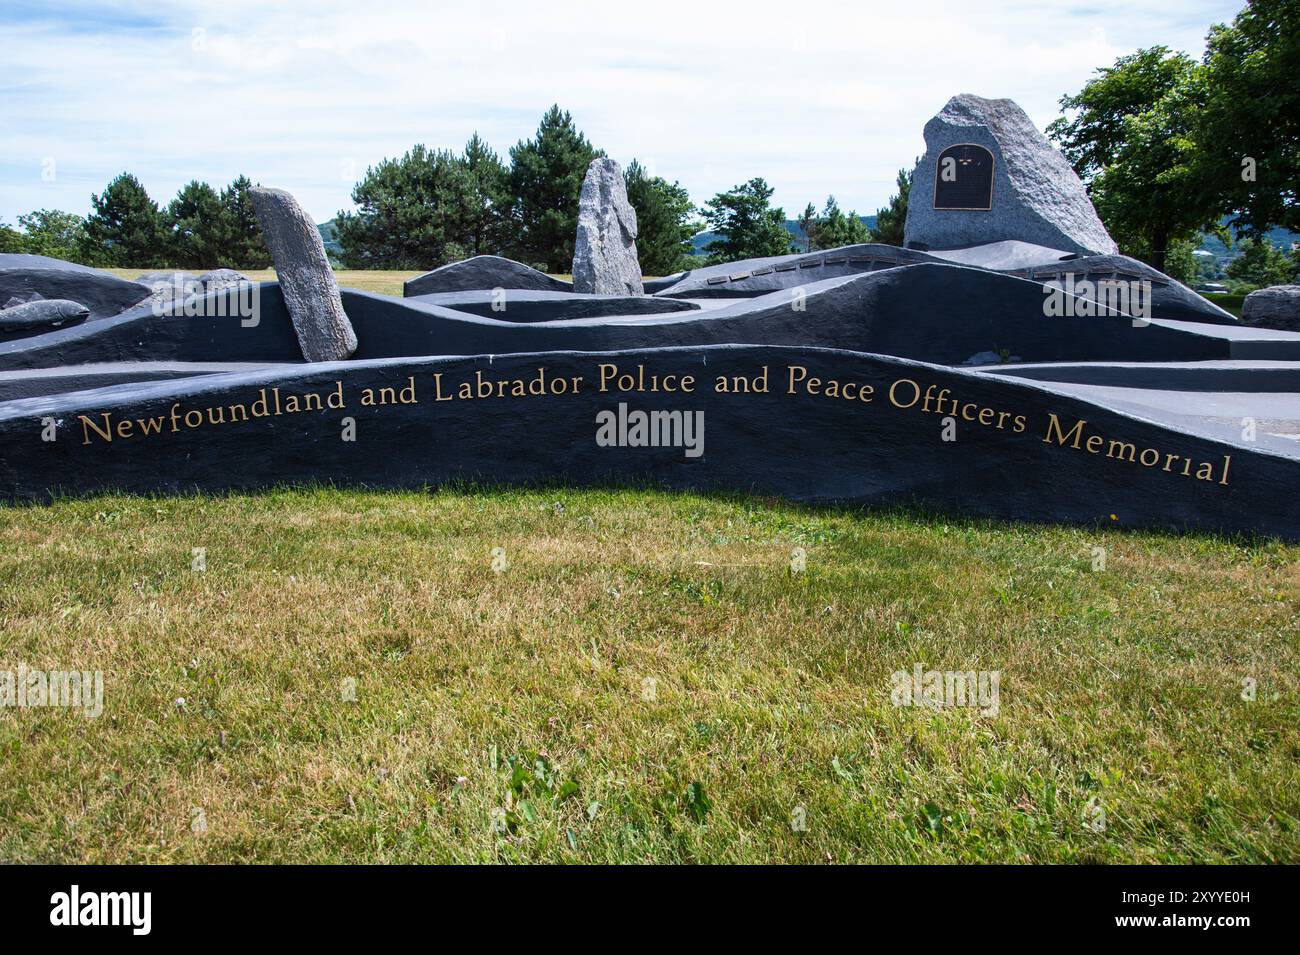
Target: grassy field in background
{"points": [[385, 282], [1227, 301], [645, 680]]}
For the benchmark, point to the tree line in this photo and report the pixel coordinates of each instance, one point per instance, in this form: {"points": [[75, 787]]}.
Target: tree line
{"points": [[202, 228], [429, 207]]}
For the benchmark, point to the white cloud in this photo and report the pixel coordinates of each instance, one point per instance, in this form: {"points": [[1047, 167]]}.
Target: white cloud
{"points": [[818, 97]]}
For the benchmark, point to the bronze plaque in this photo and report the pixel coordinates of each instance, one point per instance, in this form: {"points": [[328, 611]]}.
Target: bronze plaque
{"points": [[963, 179]]}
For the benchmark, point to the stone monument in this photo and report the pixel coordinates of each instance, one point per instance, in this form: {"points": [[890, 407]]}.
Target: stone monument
{"points": [[1009, 378], [604, 256], [988, 175], [307, 281]]}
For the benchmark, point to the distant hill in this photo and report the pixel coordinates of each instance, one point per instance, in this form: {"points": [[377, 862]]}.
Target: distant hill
{"points": [[701, 241], [329, 234]]}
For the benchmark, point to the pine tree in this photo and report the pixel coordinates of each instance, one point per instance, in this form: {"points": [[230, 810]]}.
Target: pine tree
{"points": [[407, 215], [891, 219], [833, 229], [665, 219], [546, 176], [125, 228], [483, 198], [239, 238], [749, 227], [194, 225], [808, 225]]}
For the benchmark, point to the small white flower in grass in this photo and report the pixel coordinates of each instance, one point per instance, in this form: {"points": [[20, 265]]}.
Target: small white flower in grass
{"points": [[462, 782], [180, 702]]}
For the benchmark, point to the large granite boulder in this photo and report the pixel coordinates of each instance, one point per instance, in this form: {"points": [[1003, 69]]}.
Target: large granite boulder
{"points": [[604, 257], [1275, 307], [311, 293], [988, 175]]}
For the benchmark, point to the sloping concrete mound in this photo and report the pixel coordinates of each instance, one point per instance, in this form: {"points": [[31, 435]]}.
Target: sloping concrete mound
{"points": [[207, 328], [21, 260], [31, 277], [928, 312], [483, 272], [833, 425], [1167, 298], [1036, 196], [525, 305], [749, 277]]}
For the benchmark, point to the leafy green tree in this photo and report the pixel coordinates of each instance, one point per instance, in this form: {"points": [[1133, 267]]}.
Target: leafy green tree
{"points": [[833, 229], [239, 240], [11, 240], [546, 174], [125, 227], [406, 213], [1180, 261], [1260, 264], [891, 219], [1132, 141], [665, 218], [194, 221], [60, 235], [1249, 126], [748, 226]]}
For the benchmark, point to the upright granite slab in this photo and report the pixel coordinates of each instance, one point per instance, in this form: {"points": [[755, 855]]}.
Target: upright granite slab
{"points": [[604, 254], [306, 277], [988, 174]]}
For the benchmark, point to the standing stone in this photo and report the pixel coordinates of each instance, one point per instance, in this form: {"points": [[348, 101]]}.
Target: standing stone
{"points": [[989, 175], [1277, 306], [311, 293], [604, 257]]}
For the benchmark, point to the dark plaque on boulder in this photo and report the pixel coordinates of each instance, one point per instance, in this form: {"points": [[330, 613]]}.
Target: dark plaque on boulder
{"points": [[963, 179]]}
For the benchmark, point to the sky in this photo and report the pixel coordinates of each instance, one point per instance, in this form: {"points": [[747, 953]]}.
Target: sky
{"points": [[818, 97]]}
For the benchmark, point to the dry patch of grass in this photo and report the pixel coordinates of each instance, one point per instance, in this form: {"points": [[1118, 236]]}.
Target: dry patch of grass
{"points": [[645, 680], [381, 281]]}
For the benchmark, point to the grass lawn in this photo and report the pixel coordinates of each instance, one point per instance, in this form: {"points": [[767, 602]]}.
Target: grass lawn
{"points": [[645, 680], [1227, 301]]}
